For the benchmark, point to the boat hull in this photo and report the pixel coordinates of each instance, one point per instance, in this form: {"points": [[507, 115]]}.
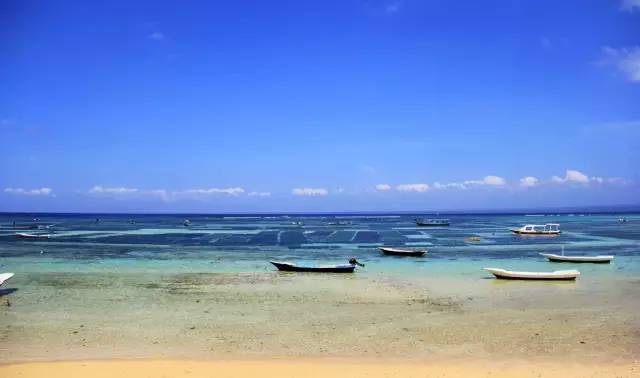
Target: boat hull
{"points": [[432, 224], [562, 275], [395, 252], [4, 277], [285, 267], [31, 236], [578, 259]]}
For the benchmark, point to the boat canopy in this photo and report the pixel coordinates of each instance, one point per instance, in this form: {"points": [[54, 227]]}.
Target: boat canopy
{"points": [[549, 227]]}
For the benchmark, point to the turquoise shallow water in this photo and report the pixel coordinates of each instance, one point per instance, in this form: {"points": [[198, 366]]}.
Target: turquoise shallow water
{"points": [[161, 243], [147, 286]]}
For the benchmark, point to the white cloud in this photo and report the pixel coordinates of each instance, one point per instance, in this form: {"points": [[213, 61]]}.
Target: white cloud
{"points": [[230, 191], [528, 181], [309, 192], [625, 60], [571, 176], [487, 180], [259, 194], [629, 5], [420, 188], [114, 190], [29, 192], [156, 36], [449, 185], [383, 187]]}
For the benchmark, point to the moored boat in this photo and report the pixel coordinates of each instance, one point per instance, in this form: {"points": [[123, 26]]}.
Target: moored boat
{"points": [[286, 266], [432, 222], [538, 229], [514, 275], [599, 259], [31, 236], [4, 277], [402, 252]]}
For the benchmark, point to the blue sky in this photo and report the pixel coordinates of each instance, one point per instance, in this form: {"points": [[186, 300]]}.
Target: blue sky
{"points": [[318, 106]]}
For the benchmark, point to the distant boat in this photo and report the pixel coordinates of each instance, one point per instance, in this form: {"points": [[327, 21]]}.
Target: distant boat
{"points": [[187, 223], [4, 277], [600, 259], [402, 252], [432, 222], [340, 223], [286, 266], [512, 275], [31, 236], [622, 220], [538, 229]]}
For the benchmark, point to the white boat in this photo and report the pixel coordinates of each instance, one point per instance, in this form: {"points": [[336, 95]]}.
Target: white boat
{"points": [[512, 275], [603, 259], [538, 229], [4, 277], [31, 236]]}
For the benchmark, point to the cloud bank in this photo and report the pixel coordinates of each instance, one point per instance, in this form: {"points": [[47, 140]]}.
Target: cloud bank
{"points": [[309, 192], [29, 192]]}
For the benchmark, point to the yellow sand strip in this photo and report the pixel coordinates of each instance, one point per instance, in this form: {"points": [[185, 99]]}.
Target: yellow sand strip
{"points": [[313, 368]]}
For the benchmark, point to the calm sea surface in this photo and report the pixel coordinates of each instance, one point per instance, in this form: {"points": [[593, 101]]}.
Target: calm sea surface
{"points": [[157, 243], [127, 286]]}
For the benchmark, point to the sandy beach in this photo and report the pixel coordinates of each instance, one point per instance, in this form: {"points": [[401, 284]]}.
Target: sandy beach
{"points": [[315, 368]]}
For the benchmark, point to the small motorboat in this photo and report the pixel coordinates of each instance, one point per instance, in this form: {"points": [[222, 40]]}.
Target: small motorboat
{"points": [[600, 259], [31, 236], [432, 222], [4, 277], [512, 275], [286, 266], [538, 229], [402, 252]]}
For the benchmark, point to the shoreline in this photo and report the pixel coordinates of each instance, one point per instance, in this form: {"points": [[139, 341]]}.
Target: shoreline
{"points": [[294, 367]]}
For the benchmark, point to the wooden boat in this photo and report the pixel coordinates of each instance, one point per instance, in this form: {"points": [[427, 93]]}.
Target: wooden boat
{"points": [[600, 259], [432, 222], [512, 275], [31, 236], [538, 229], [4, 277], [402, 252], [286, 266]]}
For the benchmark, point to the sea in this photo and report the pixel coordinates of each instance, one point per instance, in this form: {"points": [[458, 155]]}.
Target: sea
{"points": [[246, 243], [113, 286]]}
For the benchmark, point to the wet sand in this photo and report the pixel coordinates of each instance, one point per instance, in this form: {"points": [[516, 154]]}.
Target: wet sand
{"points": [[314, 368], [212, 316]]}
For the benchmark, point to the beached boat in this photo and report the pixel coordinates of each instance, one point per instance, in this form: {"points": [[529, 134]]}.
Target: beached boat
{"points": [[513, 275], [4, 277], [432, 222], [402, 252], [538, 229], [286, 266], [31, 236], [599, 259]]}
